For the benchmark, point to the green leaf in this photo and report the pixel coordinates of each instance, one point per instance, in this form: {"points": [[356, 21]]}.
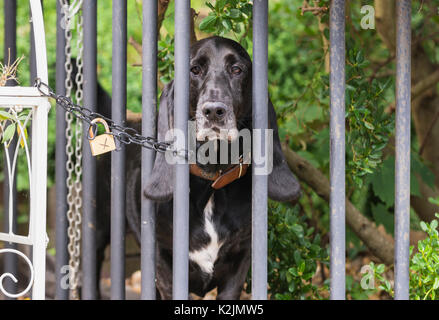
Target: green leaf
{"points": [[383, 182], [220, 4], [297, 257], [298, 230], [234, 13], [369, 125], [360, 57], [382, 216], [210, 6], [326, 33], [291, 287], [5, 115], [208, 23], [380, 268], [418, 167], [227, 24], [364, 64], [9, 133], [433, 224], [302, 266], [293, 271]]}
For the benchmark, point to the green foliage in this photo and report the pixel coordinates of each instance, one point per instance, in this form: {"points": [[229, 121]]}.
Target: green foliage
{"points": [[376, 274], [296, 68], [11, 122], [166, 59], [292, 255], [369, 126], [424, 266], [229, 16], [354, 290], [382, 187]]}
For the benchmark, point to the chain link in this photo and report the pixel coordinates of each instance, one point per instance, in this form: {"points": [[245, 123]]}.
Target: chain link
{"points": [[73, 184], [78, 139], [124, 135]]}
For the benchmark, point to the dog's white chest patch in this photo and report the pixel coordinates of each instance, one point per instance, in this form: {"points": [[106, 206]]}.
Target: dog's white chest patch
{"points": [[206, 256]]}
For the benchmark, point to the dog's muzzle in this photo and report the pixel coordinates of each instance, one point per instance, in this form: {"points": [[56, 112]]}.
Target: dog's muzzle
{"points": [[216, 120]]}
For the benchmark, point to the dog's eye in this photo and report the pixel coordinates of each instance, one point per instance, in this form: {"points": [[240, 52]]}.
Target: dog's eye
{"points": [[196, 70], [236, 70]]}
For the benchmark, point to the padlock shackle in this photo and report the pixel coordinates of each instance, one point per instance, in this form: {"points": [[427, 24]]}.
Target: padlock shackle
{"points": [[93, 129]]}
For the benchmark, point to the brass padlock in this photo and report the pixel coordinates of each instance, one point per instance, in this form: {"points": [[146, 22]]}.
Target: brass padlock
{"points": [[102, 143]]}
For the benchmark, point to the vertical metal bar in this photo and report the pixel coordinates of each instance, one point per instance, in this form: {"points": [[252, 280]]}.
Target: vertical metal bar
{"points": [[260, 121], [32, 57], [149, 107], [38, 190], [38, 197], [337, 150], [62, 258], [89, 283], [402, 141], [118, 158], [10, 48], [181, 186], [10, 54]]}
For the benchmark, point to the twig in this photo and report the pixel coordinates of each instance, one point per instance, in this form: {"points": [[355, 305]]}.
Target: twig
{"points": [[421, 6], [137, 46], [9, 71], [425, 84], [379, 66], [162, 8], [314, 10], [419, 89]]}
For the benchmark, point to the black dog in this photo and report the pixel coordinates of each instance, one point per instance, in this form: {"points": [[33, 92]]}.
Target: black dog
{"points": [[220, 218]]}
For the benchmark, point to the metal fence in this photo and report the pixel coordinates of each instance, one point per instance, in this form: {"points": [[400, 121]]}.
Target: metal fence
{"points": [[181, 189]]}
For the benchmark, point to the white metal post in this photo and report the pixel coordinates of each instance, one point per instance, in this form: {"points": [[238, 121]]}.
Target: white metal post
{"points": [[39, 158], [38, 197]]}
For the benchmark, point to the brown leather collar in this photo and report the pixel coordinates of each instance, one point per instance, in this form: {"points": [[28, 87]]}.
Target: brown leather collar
{"points": [[221, 179]]}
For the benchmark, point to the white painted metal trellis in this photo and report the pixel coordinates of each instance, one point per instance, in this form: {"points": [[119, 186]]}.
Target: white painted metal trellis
{"points": [[16, 99]]}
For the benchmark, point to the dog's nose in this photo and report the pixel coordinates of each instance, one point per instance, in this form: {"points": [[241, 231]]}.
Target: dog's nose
{"points": [[214, 111]]}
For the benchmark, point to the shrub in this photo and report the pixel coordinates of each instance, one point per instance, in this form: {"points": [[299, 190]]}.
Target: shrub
{"points": [[424, 267], [293, 253]]}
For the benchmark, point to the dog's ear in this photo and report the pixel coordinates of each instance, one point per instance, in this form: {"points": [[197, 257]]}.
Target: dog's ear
{"points": [[160, 185], [282, 184]]}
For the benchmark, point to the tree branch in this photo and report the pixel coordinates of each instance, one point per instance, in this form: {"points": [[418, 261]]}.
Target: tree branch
{"points": [[162, 6], [380, 244], [385, 22], [425, 84], [315, 10]]}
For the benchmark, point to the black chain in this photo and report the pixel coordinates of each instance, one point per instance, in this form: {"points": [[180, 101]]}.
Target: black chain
{"points": [[125, 135]]}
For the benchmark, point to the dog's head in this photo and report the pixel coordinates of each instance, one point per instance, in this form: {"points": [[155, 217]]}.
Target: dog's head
{"points": [[220, 105], [220, 88]]}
